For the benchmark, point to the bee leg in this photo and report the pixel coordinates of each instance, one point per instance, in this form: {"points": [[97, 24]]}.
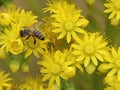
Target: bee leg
{"points": [[34, 40], [28, 37]]}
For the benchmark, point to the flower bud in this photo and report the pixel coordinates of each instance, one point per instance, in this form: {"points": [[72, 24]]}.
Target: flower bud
{"points": [[90, 2], [90, 68], [114, 22], [14, 65], [25, 67], [5, 19], [84, 23], [69, 72]]}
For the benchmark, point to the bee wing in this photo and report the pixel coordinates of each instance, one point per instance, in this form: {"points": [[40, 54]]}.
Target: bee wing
{"points": [[37, 24]]}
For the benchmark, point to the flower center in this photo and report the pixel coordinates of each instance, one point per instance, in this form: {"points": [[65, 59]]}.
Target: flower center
{"points": [[15, 46], [89, 49], [30, 43], [55, 69], [69, 26]]}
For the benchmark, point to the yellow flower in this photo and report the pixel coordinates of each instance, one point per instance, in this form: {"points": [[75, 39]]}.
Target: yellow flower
{"points": [[10, 34], [113, 7], [31, 83], [113, 64], [92, 47], [25, 18], [17, 15], [4, 80], [16, 47], [35, 48], [52, 6], [20, 16], [71, 57], [68, 20], [112, 83], [53, 66]]}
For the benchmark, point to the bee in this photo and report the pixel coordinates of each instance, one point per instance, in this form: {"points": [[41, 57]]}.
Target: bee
{"points": [[34, 33]]}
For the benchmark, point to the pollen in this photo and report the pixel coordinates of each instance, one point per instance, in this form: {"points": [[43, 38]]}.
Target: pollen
{"points": [[89, 49]]}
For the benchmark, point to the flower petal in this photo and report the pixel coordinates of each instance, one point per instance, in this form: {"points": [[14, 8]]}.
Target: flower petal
{"points": [[62, 34], [57, 30], [74, 35], [76, 46], [80, 58], [45, 77], [112, 14], [58, 80], [94, 60], [86, 61], [68, 37], [79, 30], [28, 53], [52, 79], [36, 54], [112, 72], [77, 52], [99, 56]]}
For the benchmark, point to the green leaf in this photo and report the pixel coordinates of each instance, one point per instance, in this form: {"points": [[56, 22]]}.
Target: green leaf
{"points": [[70, 86]]}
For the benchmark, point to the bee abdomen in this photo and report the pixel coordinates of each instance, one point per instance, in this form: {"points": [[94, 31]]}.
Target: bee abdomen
{"points": [[38, 34]]}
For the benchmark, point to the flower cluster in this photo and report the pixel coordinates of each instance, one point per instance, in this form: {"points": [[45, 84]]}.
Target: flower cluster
{"points": [[55, 65], [12, 22], [113, 7], [68, 20]]}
